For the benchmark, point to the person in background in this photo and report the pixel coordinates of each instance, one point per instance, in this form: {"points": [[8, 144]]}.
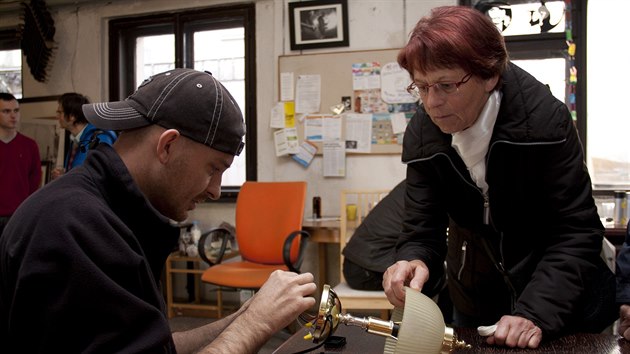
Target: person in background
{"points": [[372, 247], [83, 135], [20, 164], [80, 261], [495, 164], [623, 286]]}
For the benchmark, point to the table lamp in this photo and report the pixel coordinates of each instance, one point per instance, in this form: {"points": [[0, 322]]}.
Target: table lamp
{"points": [[417, 328]]}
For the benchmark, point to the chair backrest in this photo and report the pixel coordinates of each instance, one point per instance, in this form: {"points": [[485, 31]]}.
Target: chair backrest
{"points": [[364, 200], [266, 213]]}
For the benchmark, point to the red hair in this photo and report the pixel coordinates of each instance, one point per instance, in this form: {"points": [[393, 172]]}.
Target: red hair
{"points": [[455, 36]]}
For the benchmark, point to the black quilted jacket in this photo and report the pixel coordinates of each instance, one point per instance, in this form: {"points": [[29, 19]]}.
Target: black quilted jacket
{"points": [[531, 246]]}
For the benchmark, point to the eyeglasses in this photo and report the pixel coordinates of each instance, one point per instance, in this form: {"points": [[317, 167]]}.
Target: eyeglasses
{"points": [[441, 88]]}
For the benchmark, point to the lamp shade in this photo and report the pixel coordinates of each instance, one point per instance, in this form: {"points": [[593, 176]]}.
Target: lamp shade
{"points": [[422, 328]]}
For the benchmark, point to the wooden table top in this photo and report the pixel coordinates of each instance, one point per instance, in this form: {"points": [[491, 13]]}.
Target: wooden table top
{"points": [[327, 231], [359, 341]]}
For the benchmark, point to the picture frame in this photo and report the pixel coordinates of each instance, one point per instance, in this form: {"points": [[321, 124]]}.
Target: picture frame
{"points": [[318, 24]]}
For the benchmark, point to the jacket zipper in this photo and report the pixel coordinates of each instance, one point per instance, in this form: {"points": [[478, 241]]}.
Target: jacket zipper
{"points": [[486, 211], [463, 262]]}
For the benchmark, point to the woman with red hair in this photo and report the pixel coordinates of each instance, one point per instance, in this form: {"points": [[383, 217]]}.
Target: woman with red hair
{"points": [[494, 162]]}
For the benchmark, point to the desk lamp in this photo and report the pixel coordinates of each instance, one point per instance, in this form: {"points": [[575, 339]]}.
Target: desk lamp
{"points": [[418, 328]]}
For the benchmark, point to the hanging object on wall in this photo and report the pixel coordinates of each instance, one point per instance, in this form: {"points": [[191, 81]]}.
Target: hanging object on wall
{"points": [[572, 79], [37, 34], [499, 11]]}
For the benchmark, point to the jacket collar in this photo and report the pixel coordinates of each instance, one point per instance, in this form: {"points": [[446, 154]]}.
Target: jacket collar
{"points": [[156, 234]]}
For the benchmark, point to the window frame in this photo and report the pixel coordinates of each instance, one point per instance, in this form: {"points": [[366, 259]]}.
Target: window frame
{"points": [[10, 40], [183, 24], [539, 43], [553, 45]]}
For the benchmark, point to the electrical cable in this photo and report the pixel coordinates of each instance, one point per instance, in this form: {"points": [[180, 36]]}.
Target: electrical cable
{"points": [[327, 321], [305, 318]]}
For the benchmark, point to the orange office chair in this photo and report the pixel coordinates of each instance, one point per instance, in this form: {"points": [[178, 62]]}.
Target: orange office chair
{"points": [[268, 222]]}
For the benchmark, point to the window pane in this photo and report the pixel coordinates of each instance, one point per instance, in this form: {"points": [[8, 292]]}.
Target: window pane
{"points": [[608, 128], [154, 54], [11, 72], [551, 72], [528, 18], [228, 66]]}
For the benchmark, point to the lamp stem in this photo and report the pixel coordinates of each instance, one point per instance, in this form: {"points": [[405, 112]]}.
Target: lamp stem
{"points": [[371, 325]]}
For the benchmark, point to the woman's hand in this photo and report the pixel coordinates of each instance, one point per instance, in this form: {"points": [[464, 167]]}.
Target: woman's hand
{"points": [[624, 321], [516, 331], [404, 273]]}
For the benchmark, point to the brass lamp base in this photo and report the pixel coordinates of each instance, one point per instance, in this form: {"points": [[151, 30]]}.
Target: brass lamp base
{"points": [[421, 318]]}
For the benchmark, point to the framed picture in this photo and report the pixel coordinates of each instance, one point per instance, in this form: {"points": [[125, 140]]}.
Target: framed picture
{"points": [[318, 24]]}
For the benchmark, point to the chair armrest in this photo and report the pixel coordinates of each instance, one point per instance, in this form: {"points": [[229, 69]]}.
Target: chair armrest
{"points": [[221, 233], [286, 250]]}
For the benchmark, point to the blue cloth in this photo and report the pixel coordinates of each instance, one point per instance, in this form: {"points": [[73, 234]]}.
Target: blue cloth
{"points": [[104, 136]]}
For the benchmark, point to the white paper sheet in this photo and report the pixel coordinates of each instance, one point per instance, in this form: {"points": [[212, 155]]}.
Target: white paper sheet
{"points": [[286, 141], [399, 122], [331, 127], [280, 141], [277, 116], [308, 94], [334, 159], [366, 76], [305, 154], [358, 132], [394, 82], [286, 86], [313, 128]]}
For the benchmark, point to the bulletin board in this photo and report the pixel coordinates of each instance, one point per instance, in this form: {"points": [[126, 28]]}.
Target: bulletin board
{"points": [[335, 70]]}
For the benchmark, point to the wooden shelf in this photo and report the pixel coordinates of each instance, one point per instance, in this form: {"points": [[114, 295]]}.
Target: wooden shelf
{"points": [[197, 307]]}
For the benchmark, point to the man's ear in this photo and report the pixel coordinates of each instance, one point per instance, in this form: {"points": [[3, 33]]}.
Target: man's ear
{"points": [[166, 143]]}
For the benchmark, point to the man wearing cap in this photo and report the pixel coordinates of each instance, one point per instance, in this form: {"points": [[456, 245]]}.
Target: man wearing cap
{"points": [[80, 274]]}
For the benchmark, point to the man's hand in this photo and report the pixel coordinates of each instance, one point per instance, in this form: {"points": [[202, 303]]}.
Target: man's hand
{"points": [[624, 321], [283, 297], [515, 331], [57, 172], [412, 273]]}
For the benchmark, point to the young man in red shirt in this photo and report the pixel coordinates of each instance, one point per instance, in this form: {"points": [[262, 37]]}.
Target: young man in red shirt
{"points": [[20, 165]]}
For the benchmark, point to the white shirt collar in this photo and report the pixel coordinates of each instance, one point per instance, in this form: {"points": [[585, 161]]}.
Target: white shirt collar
{"points": [[77, 138], [472, 143]]}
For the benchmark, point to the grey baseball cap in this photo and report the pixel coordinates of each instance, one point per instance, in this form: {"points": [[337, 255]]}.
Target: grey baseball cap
{"points": [[191, 101]]}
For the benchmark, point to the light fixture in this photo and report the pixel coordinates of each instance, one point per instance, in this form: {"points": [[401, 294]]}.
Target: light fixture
{"points": [[418, 328]]}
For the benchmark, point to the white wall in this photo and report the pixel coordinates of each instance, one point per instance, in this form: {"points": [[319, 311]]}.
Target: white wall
{"points": [[81, 65]]}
